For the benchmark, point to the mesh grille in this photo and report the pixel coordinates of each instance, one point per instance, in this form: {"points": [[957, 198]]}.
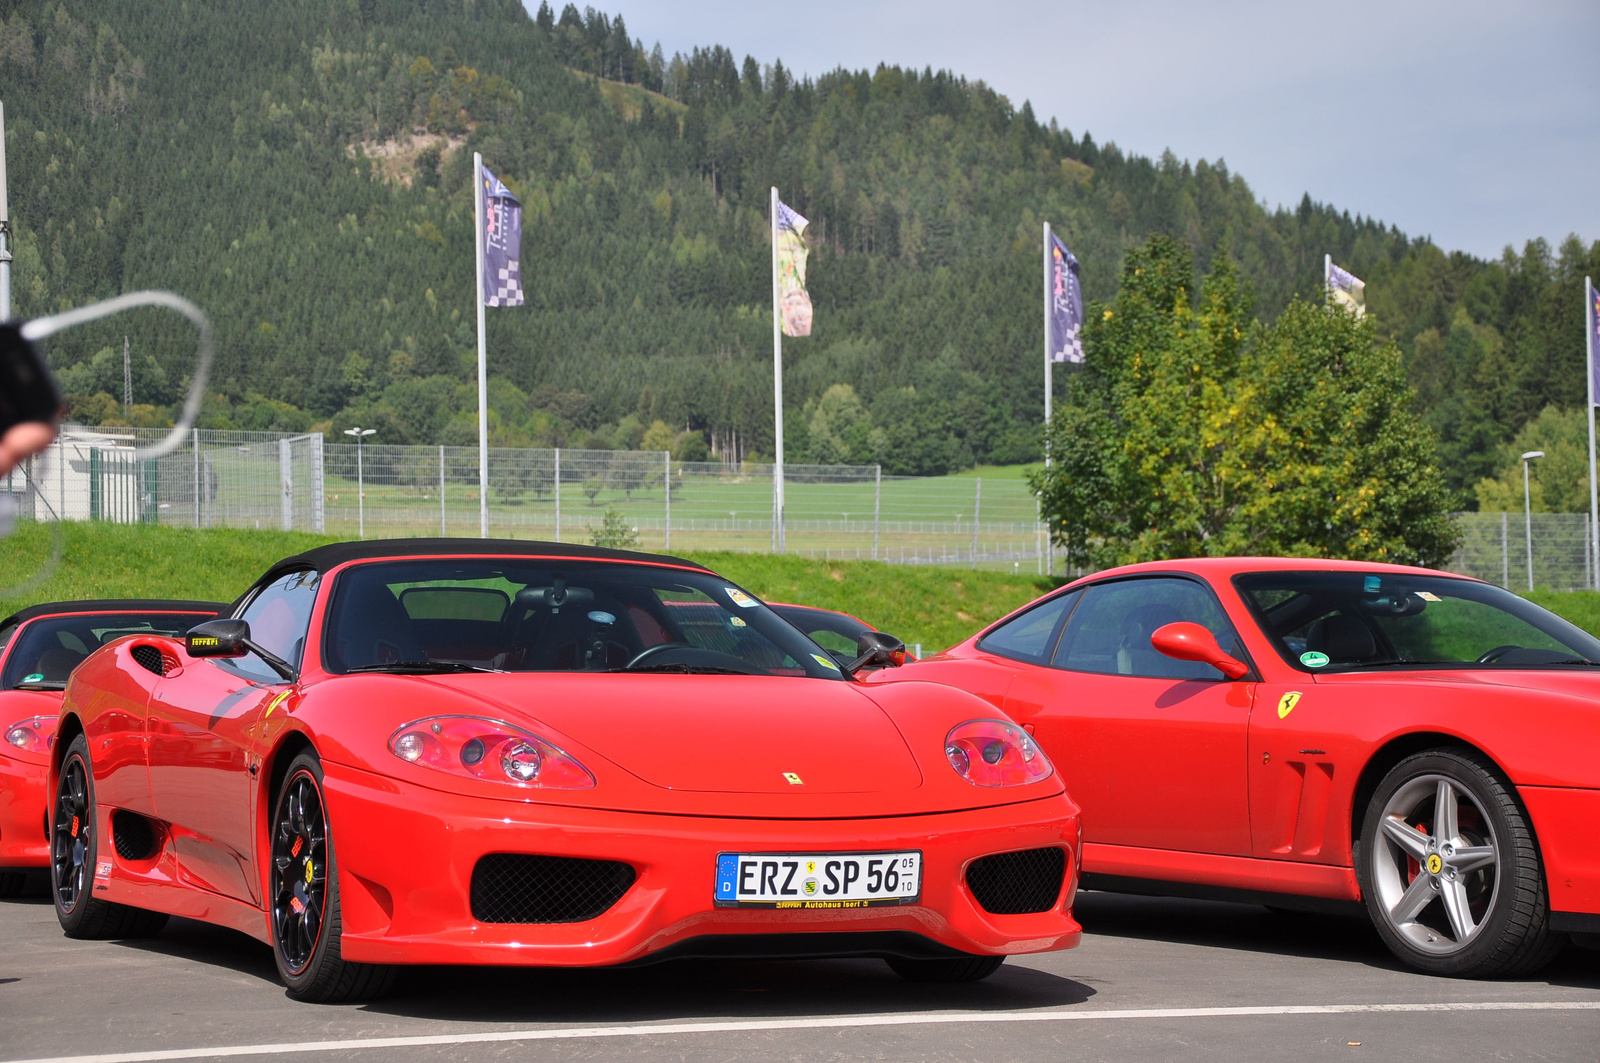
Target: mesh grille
{"points": [[131, 834], [1017, 883], [523, 888], [149, 658]]}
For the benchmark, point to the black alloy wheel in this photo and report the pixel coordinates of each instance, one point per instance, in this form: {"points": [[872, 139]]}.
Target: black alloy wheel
{"points": [[305, 897], [73, 851]]}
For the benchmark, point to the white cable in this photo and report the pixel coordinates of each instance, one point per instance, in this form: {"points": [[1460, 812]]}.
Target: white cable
{"points": [[41, 327]]}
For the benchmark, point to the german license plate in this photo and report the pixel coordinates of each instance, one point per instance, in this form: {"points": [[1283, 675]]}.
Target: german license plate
{"points": [[817, 880]]}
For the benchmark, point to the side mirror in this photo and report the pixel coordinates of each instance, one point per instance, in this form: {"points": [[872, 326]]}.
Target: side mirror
{"points": [[877, 649], [1192, 642], [231, 638], [218, 638]]}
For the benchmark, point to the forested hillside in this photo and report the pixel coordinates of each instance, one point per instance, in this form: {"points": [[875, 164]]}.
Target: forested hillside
{"points": [[301, 169]]}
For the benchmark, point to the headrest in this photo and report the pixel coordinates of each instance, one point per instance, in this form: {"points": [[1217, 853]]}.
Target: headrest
{"points": [[1344, 639]]}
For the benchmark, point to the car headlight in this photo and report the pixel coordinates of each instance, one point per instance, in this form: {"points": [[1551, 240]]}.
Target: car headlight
{"points": [[35, 735], [474, 747], [995, 753]]}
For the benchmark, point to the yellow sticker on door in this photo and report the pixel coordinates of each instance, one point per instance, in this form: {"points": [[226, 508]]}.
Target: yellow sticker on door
{"points": [[1287, 703]]}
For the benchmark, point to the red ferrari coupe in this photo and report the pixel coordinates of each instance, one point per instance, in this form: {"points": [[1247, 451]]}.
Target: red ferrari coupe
{"points": [[39, 647], [466, 751], [1322, 731]]}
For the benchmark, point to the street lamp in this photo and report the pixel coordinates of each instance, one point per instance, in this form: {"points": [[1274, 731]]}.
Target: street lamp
{"points": [[1527, 508], [361, 495]]}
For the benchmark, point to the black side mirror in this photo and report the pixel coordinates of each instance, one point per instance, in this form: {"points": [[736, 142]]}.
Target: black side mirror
{"points": [[231, 638], [877, 649]]}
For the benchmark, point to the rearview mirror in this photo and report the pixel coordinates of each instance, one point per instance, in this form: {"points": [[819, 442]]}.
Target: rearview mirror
{"points": [[231, 638], [1192, 642], [877, 649]]}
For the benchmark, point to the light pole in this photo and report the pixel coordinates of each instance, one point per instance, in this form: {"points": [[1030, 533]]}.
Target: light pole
{"points": [[1527, 508], [361, 494]]}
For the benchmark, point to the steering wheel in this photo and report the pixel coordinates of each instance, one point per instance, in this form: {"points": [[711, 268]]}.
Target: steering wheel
{"points": [[1495, 654], [690, 655]]}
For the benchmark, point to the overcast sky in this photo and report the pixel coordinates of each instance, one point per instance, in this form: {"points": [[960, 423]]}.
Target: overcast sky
{"points": [[1474, 122]]}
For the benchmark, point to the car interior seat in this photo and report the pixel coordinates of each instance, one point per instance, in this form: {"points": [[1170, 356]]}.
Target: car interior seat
{"points": [[1343, 638], [374, 628], [1135, 655]]}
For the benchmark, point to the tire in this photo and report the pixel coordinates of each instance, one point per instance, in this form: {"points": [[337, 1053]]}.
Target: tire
{"points": [[304, 895], [947, 972], [1450, 871], [74, 844]]}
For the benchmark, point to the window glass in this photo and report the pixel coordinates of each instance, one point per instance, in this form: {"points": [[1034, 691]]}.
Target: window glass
{"points": [[279, 618], [51, 647], [1352, 619], [1110, 632], [1029, 637]]}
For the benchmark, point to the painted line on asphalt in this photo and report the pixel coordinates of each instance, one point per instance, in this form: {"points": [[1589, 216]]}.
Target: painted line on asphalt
{"points": [[680, 1029]]}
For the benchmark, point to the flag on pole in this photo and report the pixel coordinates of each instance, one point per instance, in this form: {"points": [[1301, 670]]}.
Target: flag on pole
{"points": [[794, 303], [502, 244], [1594, 337], [1065, 315], [1346, 289]]}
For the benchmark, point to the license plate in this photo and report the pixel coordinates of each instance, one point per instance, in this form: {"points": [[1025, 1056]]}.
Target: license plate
{"points": [[817, 880]]}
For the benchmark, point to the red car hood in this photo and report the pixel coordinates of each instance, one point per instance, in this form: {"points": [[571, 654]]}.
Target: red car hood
{"points": [[1574, 682], [719, 734]]}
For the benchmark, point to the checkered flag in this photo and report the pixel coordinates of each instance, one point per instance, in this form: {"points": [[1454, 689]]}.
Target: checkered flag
{"points": [[502, 244]]}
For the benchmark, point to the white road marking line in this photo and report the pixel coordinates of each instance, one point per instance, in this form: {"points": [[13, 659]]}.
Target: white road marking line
{"points": [[669, 1029]]}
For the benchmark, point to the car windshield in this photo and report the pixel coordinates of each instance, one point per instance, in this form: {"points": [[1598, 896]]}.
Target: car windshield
{"points": [[556, 616], [47, 650], [1340, 621]]}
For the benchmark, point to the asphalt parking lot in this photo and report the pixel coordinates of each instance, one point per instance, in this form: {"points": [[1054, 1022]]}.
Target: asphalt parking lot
{"points": [[1153, 980]]}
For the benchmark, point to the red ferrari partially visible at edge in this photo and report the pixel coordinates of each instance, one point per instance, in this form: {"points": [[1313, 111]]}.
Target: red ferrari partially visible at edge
{"points": [[470, 751], [1277, 728], [39, 647]]}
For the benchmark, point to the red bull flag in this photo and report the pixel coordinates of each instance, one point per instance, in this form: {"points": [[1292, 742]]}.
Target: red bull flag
{"points": [[794, 303], [1347, 290], [502, 244]]}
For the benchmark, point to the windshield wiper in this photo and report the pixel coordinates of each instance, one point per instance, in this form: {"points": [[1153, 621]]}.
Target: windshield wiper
{"points": [[421, 667], [686, 669], [53, 684]]}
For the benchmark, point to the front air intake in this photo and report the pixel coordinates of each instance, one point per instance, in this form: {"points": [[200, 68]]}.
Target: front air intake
{"points": [[149, 658], [524, 888], [1018, 883]]}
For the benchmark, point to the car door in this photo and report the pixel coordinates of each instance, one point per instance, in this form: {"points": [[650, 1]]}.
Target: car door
{"points": [[1151, 748], [203, 728]]}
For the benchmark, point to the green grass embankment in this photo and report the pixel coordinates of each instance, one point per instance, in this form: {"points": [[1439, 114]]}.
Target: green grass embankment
{"points": [[934, 606]]}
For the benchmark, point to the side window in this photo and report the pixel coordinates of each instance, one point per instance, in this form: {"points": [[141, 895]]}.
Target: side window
{"points": [[279, 617], [1110, 632], [1029, 637]]}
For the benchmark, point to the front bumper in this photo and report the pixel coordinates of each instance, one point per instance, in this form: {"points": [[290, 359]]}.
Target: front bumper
{"points": [[406, 855], [1567, 821], [24, 837]]}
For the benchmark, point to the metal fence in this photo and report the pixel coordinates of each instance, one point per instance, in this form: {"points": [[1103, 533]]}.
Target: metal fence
{"points": [[270, 480], [1554, 553]]}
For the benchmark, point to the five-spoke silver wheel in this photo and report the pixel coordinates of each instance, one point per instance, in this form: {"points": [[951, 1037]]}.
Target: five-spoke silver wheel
{"points": [[1436, 866]]}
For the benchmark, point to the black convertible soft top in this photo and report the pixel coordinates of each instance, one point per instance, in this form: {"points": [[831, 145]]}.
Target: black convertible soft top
{"points": [[113, 605], [322, 558]]}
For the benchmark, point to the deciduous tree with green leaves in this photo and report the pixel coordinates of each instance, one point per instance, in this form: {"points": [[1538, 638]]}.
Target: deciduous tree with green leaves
{"points": [[1195, 431]]}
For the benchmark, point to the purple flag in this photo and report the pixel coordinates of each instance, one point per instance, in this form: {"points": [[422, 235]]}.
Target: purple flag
{"points": [[1593, 312], [1066, 305], [502, 244]]}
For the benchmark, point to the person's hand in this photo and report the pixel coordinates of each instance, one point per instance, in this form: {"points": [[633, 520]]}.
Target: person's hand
{"points": [[23, 441]]}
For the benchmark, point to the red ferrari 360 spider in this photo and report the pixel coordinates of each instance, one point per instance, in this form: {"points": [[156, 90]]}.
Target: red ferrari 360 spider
{"points": [[466, 751], [1424, 743], [39, 647]]}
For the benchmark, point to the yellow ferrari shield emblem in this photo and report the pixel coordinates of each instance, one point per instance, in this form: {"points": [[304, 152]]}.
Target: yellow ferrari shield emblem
{"points": [[1435, 865], [1287, 703], [792, 779]]}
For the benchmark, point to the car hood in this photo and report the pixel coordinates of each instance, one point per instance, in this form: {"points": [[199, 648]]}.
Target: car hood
{"points": [[727, 745], [1574, 682]]}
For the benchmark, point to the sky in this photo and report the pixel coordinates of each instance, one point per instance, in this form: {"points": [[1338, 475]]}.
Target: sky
{"points": [[1475, 123]]}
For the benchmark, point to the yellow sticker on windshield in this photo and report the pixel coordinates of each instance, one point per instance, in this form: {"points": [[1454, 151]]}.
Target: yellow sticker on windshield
{"points": [[1287, 703], [826, 662]]}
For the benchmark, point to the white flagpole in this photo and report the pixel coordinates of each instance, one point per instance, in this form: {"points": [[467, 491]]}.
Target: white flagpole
{"points": [[5, 228], [1049, 544], [483, 379], [1588, 372], [777, 390]]}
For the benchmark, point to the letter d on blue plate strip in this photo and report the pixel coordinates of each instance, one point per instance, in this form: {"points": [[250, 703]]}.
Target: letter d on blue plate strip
{"points": [[727, 874]]}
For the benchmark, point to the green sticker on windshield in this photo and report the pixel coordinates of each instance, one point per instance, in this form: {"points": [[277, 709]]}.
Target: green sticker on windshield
{"points": [[37, 677], [1313, 659]]}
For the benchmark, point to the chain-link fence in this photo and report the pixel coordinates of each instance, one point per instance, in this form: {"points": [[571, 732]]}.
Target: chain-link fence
{"points": [[1517, 552], [271, 480]]}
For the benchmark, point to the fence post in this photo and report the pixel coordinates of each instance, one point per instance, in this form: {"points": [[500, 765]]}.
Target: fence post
{"points": [[441, 490], [877, 505], [666, 495], [558, 494], [318, 485], [194, 443], [977, 511], [286, 483], [1505, 552]]}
